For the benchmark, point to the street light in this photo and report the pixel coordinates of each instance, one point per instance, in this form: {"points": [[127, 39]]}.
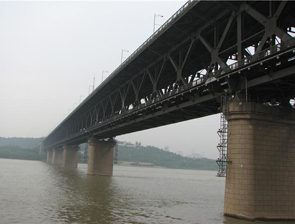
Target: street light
{"points": [[93, 83], [122, 54], [156, 15], [89, 89], [81, 97], [103, 71]]}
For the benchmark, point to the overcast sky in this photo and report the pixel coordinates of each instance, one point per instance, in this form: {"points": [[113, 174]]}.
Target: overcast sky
{"points": [[50, 52]]}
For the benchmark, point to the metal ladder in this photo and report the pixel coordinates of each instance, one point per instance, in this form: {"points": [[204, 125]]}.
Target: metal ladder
{"points": [[116, 155], [222, 147]]}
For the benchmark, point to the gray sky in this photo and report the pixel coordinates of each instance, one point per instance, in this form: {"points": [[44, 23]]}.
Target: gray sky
{"points": [[50, 52]]}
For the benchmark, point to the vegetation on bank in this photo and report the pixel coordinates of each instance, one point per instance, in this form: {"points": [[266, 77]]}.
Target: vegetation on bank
{"points": [[140, 155], [21, 142], [16, 152], [159, 157]]}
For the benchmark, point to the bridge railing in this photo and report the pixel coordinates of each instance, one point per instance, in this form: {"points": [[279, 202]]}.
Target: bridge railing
{"points": [[256, 58], [203, 81], [249, 98]]}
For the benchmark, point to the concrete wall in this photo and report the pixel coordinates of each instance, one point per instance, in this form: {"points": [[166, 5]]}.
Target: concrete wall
{"points": [[260, 182]]}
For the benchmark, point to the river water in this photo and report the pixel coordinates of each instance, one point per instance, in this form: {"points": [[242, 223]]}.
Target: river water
{"points": [[36, 192]]}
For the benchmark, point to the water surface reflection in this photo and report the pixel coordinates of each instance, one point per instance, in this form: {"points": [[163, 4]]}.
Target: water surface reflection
{"points": [[35, 192]]}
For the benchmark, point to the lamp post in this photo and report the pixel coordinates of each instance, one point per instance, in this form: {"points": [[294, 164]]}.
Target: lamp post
{"points": [[103, 71], [123, 50], [156, 15], [81, 97], [89, 89], [93, 83]]}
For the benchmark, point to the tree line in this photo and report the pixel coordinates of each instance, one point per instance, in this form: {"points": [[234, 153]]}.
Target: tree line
{"points": [[16, 152], [159, 157], [28, 148]]}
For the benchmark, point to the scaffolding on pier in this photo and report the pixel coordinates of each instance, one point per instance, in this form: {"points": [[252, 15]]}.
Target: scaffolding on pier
{"points": [[222, 145], [116, 155], [85, 157]]}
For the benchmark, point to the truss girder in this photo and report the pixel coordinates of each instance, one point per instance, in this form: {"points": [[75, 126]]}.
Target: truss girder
{"points": [[171, 76]]}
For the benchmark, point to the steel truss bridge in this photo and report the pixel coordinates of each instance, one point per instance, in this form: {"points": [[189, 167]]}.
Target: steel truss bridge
{"points": [[205, 50]]}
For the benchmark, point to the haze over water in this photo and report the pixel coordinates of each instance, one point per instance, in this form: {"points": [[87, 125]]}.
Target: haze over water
{"points": [[36, 192]]}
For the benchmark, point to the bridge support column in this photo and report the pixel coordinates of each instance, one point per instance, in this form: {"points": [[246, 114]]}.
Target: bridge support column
{"points": [[70, 156], [49, 156], [100, 157], [260, 182], [57, 157]]}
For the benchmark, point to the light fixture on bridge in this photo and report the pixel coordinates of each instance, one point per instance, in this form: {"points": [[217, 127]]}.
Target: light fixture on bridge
{"points": [[103, 71], [89, 89], [155, 16], [81, 97], [123, 50], [93, 83]]}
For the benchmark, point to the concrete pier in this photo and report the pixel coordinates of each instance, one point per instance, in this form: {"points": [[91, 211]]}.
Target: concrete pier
{"points": [[70, 156], [260, 182], [49, 156], [100, 157], [57, 157]]}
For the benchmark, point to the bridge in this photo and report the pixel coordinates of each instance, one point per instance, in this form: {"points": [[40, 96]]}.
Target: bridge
{"points": [[209, 57]]}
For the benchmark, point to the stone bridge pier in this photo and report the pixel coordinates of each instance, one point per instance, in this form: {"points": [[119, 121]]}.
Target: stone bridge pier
{"points": [[66, 156], [100, 157], [260, 182], [49, 155], [70, 156], [57, 156]]}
